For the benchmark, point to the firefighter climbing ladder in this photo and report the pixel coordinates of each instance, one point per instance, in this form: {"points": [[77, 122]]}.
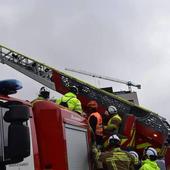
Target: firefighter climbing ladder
{"points": [[60, 82]]}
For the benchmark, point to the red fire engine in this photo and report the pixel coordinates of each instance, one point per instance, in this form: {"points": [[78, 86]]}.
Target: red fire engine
{"points": [[58, 137]]}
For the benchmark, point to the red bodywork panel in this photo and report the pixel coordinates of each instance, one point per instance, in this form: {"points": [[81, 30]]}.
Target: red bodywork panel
{"points": [[149, 134], [49, 124], [35, 144], [127, 129], [167, 158], [128, 125]]}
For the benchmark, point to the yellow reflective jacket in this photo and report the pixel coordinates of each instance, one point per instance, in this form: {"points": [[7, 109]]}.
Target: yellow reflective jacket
{"points": [[149, 165], [114, 122], [73, 103]]}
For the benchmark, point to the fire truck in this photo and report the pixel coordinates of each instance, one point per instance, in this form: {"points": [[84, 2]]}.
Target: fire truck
{"points": [[49, 136]]}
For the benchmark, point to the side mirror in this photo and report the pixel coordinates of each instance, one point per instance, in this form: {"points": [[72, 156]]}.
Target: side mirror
{"points": [[18, 135]]}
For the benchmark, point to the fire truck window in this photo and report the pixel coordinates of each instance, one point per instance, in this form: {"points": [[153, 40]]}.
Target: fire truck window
{"points": [[77, 153]]}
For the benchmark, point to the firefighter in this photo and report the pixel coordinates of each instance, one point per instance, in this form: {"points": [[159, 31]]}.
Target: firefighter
{"points": [[150, 155], [43, 95], [115, 158], [71, 101], [137, 163], [114, 121], [95, 123]]}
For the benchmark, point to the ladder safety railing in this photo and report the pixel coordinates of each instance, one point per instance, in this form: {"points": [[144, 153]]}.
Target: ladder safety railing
{"points": [[27, 66]]}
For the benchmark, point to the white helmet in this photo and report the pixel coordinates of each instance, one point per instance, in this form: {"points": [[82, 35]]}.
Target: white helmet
{"points": [[151, 152], [112, 110], [113, 139], [134, 154]]}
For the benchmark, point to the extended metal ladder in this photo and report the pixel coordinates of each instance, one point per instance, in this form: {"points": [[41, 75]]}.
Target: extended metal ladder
{"points": [[31, 68], [60, 82]]}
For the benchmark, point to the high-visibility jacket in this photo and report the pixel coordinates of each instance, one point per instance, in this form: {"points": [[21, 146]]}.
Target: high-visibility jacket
{"points": [[72, 102], [99, 125], [149, 165], [116, 159], [114, 122]]}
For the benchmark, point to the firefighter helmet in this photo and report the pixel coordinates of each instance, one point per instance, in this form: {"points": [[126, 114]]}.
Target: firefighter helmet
{"points": [[112, 110], [74, 89], [150, 152], [135, 154], [114, 140], [44, 93]]}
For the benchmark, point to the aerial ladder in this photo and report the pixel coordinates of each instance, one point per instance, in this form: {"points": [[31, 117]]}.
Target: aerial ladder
{"points": [[149, 125], [128, 83]]}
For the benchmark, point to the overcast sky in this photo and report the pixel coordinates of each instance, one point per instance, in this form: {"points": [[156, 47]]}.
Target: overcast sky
{"points": [[123, 39]]}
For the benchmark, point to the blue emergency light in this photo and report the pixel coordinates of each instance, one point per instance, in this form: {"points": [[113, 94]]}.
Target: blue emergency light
{"points": [[10, 86]]}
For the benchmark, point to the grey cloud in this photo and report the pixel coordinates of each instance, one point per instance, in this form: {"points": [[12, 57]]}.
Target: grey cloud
{"points": [[128, 40]]}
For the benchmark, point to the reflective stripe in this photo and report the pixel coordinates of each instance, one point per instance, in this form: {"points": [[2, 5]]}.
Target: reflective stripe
{"points": [[132, 141], [123, 140], [143, 145]]}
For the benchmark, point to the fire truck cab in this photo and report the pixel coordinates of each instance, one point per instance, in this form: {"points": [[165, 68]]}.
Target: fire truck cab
{"points": [[45, 136]]}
